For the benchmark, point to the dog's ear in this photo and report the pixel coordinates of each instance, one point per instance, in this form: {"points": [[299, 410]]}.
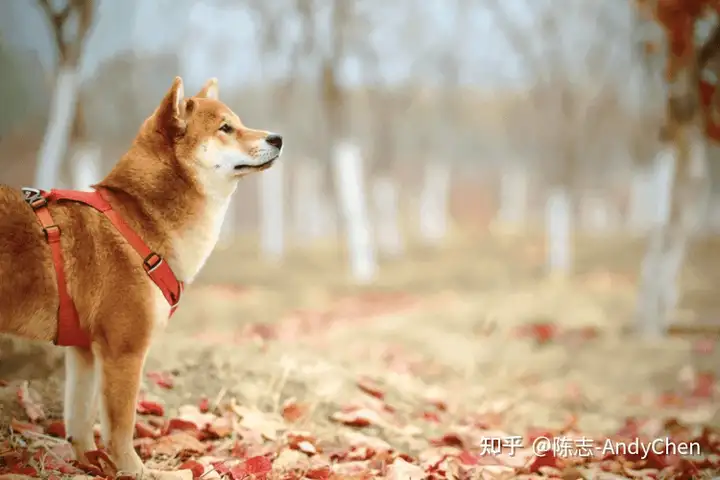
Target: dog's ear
{"points": [[209, 90], [170, 115]]}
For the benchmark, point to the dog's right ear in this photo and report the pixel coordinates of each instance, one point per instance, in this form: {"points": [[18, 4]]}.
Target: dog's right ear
{"points": [[170, 115], [209, 90]]}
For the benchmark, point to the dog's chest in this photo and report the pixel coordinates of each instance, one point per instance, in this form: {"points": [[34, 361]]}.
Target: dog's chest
{"points": [[194, 244]]}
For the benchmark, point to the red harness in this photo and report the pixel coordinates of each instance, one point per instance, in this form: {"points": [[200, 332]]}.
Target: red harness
{"points": [[70, 334]]}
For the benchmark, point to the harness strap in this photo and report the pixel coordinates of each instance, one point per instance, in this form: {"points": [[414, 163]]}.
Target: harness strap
{"points": [[155, 266], [69, 331]]}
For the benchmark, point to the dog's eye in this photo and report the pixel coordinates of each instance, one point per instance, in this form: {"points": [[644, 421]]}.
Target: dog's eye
{"points": [[225, 128]]}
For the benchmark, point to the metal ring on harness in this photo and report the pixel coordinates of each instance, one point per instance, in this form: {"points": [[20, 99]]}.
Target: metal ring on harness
{"points": [[31, 194]]}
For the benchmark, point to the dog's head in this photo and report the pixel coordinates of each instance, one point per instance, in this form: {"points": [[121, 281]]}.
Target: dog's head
{"points": [[209, 138]]}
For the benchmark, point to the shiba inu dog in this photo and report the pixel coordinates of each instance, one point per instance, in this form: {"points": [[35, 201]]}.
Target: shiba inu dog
{"points": [[170, 191]]}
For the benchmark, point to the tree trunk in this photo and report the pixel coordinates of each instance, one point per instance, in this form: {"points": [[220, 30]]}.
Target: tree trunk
{"points": [[595, 214], [645, 188], [85, 160], [57, 135], [685, 133], [347, 163], [434, 202], [512, 213], [559, 231], [667, 248]]}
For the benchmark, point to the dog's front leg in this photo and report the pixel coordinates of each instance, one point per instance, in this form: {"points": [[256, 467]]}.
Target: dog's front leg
{"points": [[80, 400], [120, 373]]}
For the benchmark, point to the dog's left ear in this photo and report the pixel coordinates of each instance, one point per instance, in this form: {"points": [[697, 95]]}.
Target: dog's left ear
{"points": [[209, 90], [170, 115]]}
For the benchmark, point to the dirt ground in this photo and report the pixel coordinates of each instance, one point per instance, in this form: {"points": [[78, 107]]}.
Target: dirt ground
{"points": [[469, 337]]}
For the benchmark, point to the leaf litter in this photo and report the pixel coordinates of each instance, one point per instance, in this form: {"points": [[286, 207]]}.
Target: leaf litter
{"points": [[423, 396]]}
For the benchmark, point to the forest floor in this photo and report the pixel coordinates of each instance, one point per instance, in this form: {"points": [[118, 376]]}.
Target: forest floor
{"points": [[452, 365]]}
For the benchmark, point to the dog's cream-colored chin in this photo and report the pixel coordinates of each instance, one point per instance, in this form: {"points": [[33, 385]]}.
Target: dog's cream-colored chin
{"points": [[245, 169]]}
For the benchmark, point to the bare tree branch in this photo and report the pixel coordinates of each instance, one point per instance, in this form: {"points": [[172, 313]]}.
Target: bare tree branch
{"points": [[710, 50], [69, 49]]}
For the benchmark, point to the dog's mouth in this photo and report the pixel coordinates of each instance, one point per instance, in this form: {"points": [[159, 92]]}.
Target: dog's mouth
{"points": [[256, 168]]}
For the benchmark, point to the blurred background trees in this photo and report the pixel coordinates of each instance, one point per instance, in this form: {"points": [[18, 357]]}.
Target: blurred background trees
{"points": [[407, 123]]}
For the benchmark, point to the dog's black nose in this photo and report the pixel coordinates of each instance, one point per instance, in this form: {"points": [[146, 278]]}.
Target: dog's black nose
{"points": [[274, 140]]}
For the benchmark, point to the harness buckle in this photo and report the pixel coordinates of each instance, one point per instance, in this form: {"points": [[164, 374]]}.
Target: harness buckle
{"points": [[34, 197], [151, 266], [52, 233]]}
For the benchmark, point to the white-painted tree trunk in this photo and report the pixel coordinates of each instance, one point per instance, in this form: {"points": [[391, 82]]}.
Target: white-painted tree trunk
{"points": [[512, 212], [642, 207], [57, 133], [272, 215], [558, 211], [387, 217], [348, 169], [86, 165], [434, 202], [683, 193], [661, 189], [595, 214]]}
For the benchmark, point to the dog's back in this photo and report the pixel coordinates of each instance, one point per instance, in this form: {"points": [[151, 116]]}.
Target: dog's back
{"points": [[27, 286], [97, 261]]}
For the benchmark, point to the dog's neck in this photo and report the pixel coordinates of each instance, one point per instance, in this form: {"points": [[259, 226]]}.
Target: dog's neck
{"points": [[177, 212]]}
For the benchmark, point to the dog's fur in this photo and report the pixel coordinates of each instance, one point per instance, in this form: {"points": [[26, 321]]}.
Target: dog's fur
{"points": [[173, 188]]}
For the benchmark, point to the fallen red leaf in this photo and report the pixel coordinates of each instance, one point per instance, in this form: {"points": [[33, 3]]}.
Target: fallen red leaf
{"points": [[631, 428], [20, 427], [431, 417], [542, 332], [362, 452], [256, 468], [23, 470], [709, 441], [178, 444], [239, 450], [220, 468], [448, 440], [319, 473], [439, 404], [371, 388], [56, 429], [143, 430], [468, 458], [302, 441], [549, 459], [197, 468], [101, 460], [162, 379], [147, 407], [357, 417], [221, 427], [292, 411], [704, 385], [180, 425], [33, 408]]}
